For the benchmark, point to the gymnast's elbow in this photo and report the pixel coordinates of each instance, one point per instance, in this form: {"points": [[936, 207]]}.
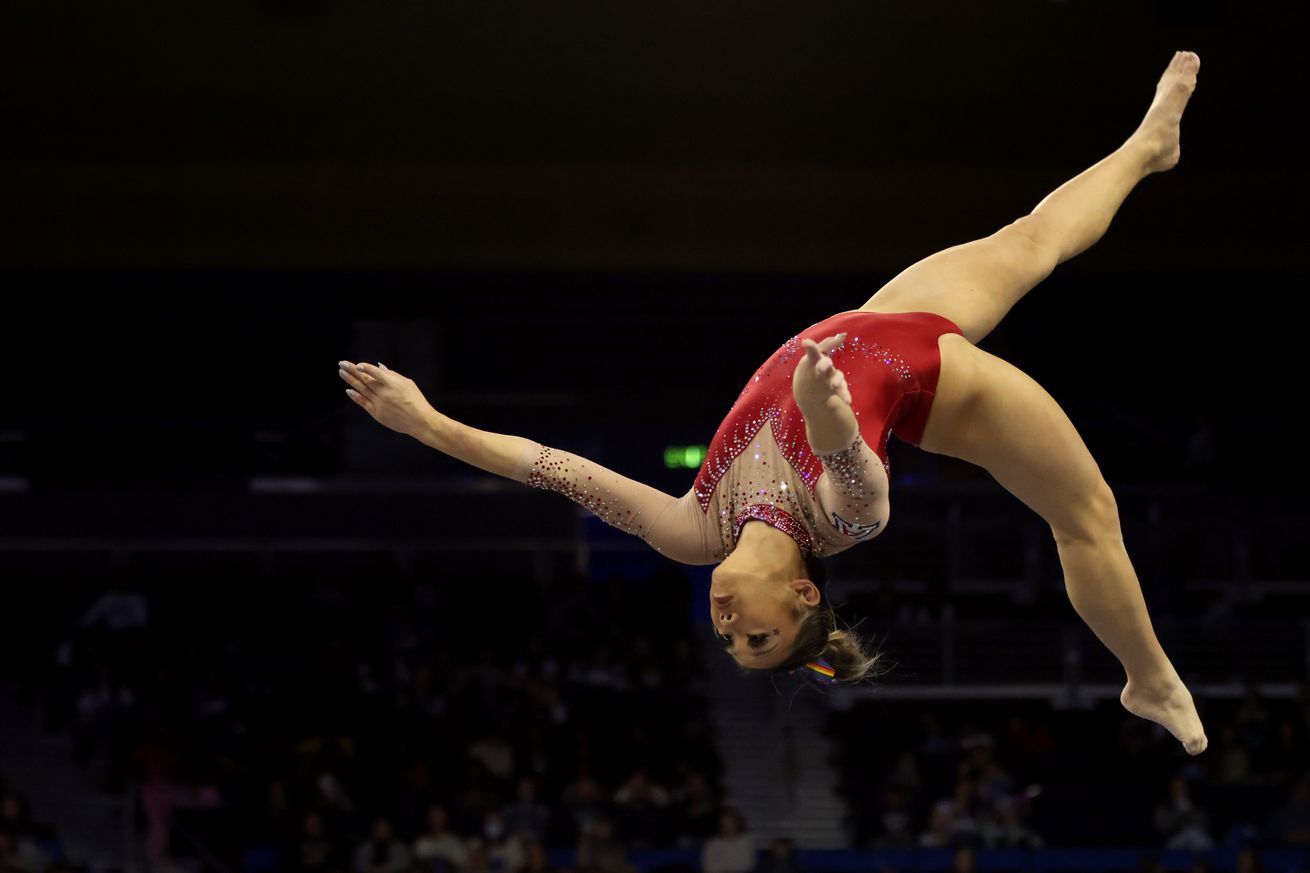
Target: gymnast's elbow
{"points": [[694, 555]]}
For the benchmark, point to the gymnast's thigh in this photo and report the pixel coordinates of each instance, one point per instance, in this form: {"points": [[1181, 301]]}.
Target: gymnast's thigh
{"points": [[988, 412]]}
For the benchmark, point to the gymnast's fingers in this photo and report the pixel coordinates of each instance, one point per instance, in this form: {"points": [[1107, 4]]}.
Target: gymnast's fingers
{"points": [[360, 399], [832, 342], [351, 379], [373, 374], [839, 386], [815, 356]]}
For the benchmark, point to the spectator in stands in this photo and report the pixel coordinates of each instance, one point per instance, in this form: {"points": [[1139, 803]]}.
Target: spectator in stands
{"points": [[995, 782], [781, 858], [1290, 823], [477, 796], [118, 609], [103, 707], [1232, 760], [537, 860], [962, 811], [732, 850], [938, 834], [479, 858], [279, 822], [906, 774], [508, 849], [382, 852], [639, 806], [330, 797], [495, 753], [976, 743], [1006, 830], [964, 860], [696, 810], [1248, 861], [527, 814], [8, 854], [156, 761], [895, 819], [437, 850], [414, 796], [1182, 823], [20, 854], [315, 851], [13, 813], [600, 852], [584, 800]]}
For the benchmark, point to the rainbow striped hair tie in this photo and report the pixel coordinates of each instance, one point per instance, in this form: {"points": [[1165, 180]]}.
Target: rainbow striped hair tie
{"points": [[822, 671]]}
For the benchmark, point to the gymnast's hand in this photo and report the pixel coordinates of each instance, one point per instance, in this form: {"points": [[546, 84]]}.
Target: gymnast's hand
{"points": [[817, 379], [394, 400]]}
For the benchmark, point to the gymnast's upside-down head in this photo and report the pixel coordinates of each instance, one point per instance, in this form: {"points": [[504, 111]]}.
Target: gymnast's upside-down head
{"points": [[774, 616]]}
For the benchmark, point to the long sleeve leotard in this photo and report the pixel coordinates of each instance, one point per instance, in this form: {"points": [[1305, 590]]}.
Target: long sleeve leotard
{"points": [[759, 465]]}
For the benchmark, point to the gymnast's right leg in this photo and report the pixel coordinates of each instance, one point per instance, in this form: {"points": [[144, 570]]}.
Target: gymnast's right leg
{"points": [[975, 284], [990, 413]]}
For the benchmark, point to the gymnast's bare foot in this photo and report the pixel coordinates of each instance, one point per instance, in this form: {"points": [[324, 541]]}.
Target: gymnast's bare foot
{"points": [[1170, 705], [1158, 133]]}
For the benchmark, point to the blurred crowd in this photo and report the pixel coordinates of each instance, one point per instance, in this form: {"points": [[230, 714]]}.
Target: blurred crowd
{"points": [[376, 726], [25, 845], [1006, 774], [325, 723]]}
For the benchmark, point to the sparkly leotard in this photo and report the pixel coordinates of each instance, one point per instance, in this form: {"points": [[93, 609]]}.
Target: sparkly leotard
{"points": [[760, 466]]}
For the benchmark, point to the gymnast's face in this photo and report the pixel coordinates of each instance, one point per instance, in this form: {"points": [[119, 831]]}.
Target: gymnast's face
{"points": [[755, 616]]}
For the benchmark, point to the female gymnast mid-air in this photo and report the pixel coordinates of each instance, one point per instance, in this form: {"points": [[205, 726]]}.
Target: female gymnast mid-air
{"points": [[770, 500]]}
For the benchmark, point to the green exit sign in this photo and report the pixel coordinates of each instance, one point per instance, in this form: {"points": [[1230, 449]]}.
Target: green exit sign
{"points": [[685, 457]]}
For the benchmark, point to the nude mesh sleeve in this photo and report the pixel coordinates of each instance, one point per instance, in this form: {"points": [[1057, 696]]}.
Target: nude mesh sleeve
{"points": [[668, 524], [854, 492]]}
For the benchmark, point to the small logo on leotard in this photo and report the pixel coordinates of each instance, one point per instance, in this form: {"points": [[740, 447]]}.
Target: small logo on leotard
{"points": [[851, 529]]}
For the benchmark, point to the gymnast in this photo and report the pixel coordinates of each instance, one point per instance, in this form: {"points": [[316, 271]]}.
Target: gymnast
{"points": [[798, 469]]}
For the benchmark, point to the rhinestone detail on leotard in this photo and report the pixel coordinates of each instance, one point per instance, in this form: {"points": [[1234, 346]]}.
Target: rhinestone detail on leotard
{"points": [[760, 455], [791, 440], [777, 517], [846, 469], [551, 472]]}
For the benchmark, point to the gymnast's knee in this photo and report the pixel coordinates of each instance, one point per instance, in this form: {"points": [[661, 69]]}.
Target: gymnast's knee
{"points": [[1092, 518], [1034, 241]]}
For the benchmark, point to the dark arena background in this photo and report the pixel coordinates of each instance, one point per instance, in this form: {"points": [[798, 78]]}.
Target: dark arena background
{"points": [[246, 629]]}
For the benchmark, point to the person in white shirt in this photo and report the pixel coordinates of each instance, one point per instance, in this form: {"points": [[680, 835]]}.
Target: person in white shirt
{"points": [[732, 850]]}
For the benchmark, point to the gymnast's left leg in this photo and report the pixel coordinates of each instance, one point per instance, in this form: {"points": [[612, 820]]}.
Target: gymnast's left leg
{"points": [[990, 413]]}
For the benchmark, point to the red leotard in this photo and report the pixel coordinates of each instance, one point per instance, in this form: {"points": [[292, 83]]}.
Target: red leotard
{"points": [[760, 466]]}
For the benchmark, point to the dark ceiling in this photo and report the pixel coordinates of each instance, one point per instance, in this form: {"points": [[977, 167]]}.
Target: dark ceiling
{"points": [[199, 204], [819, 136]]}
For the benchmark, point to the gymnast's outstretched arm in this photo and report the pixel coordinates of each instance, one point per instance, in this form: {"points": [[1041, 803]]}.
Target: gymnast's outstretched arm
{"points": [[672, 526]]}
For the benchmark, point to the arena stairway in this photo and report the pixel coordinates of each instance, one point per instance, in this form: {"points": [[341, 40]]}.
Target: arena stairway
{"points": [[777, 770], [92, 825]]}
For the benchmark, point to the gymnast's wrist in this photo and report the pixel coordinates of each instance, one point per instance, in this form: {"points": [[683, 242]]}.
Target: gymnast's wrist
{"points": [[830, 427], [436, 430]]}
